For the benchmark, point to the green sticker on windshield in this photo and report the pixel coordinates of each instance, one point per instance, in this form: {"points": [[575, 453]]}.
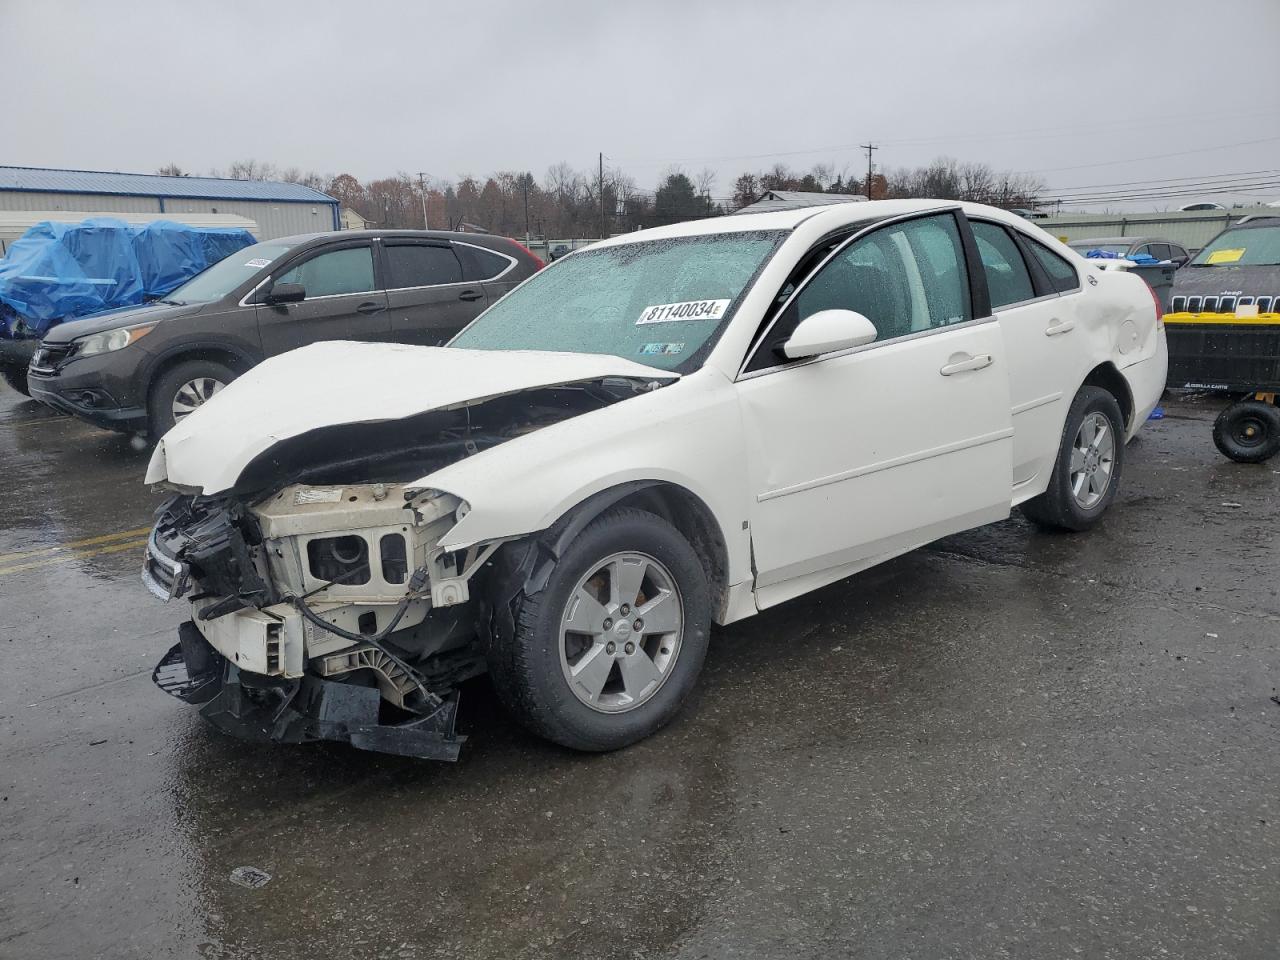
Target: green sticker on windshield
{"points": [[661, 349]]}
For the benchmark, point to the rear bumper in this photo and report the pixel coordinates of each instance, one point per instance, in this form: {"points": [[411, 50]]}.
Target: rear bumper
{"points": [[269, 709]]}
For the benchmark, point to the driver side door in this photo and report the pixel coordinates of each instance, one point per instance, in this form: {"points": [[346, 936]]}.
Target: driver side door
{"points": [[868, 452], [344, 301]]}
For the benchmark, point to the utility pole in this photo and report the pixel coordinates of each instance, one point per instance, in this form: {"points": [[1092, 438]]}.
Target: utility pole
{"points": [[525, 181], [869, 147], [422, 188], [603, 235]]}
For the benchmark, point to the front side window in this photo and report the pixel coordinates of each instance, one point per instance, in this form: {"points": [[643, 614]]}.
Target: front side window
{"points": [[663, 303], [1008, 280], [905, 278], [334, 273], [421, 265], [1062, 275]]}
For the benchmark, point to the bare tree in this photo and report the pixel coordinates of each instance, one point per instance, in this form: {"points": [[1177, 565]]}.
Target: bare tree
{"points": [[172, 170]]}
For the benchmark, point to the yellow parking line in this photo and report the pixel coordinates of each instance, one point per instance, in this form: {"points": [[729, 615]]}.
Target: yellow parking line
{"points": [[74, 555], [75, 544]]}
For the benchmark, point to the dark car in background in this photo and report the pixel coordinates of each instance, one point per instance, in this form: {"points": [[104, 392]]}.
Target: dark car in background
{"points": [[1127, 247], [141, 370]]}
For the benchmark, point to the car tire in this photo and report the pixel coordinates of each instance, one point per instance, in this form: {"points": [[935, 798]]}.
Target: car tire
{"points": [[16, 377], [545, 670], [1086, 475], [208, 376], [1248, 431]]}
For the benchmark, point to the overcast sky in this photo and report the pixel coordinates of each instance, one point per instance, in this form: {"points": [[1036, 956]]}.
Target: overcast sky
{"points": [[1086, 94]]}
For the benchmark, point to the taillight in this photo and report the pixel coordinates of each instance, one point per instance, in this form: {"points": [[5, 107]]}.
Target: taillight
{"points": [[1159, 309], [536, 259]]}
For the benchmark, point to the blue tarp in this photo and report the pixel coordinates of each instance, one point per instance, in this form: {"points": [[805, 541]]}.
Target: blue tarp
{"points": [[63, 271]]}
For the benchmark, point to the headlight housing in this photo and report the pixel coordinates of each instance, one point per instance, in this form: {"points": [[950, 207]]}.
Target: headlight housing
{"points": [[111, 340]]}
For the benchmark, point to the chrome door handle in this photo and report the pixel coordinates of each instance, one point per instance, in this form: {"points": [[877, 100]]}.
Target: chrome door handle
{"points": [[962, 363], [1057, 327]]}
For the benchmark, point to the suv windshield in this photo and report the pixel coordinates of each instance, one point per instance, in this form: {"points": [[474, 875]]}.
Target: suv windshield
{"points": [[1242, 247], [217, 281], [663, 303]]}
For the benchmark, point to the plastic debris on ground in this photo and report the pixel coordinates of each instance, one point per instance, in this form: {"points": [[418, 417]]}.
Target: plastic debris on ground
{"points": [[61, 271], [1157, 414]]}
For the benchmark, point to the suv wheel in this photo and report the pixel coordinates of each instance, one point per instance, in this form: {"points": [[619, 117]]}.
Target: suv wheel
{"points": [[16, 377], [1087, 472], [180, 390], [608, 651]]}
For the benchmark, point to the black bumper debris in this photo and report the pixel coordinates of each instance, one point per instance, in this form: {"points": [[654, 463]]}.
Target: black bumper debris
{"points": [[268, 709]]}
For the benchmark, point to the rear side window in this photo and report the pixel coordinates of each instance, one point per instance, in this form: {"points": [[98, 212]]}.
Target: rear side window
{"points": [[480, 264], [421, 265], [1062, 275], [334, 273], [1008, 280]]}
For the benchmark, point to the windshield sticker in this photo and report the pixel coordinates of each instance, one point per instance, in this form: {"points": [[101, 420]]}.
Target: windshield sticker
{"points": [[661, 349], [302, 497], [258, 262], [686, 310], [1226, 256]]}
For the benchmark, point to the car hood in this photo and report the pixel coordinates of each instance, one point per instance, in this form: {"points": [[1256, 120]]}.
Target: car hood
{"points": [[115, 319], [340, 382]]}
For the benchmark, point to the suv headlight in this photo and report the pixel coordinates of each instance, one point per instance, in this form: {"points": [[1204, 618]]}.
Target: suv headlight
{"points": [[111, 340]]}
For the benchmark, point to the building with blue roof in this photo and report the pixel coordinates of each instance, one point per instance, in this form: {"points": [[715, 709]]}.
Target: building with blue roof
{"points": [[278, 209]]}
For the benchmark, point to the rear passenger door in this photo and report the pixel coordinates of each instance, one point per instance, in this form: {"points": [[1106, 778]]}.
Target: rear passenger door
{"points": [[343, 300], [1039, 329], [428, 296]]}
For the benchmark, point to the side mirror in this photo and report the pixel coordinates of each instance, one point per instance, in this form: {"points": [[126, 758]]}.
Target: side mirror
{"points": [[286, 293], [1179, 262], [828, 331]]}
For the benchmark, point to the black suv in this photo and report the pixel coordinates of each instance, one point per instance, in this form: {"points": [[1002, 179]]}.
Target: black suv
{"points": [[141, 370]]}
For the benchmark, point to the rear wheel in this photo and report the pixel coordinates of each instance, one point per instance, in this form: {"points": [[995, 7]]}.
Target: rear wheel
{"points": [[608, 651], [181, 390], [16, 377], [1248, 431], [1086, 474]]}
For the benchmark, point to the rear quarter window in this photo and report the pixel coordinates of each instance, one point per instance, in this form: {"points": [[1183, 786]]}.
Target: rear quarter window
{"points": [[1062, 275], [480, 264]]}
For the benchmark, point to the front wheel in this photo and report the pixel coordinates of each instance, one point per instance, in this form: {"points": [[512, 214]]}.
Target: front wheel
{"points": [[1086, 474], [1248, 431], [180, 390], [608, 651]]}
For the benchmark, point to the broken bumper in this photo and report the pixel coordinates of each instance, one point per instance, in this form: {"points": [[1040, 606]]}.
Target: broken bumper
{"points": [[270, 709]]}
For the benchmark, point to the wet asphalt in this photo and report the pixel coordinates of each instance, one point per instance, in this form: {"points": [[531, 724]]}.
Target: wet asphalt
{"points": [[1009, 744]]}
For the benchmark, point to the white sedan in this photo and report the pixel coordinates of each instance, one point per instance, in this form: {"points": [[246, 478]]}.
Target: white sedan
{"points": [[666, 430]]}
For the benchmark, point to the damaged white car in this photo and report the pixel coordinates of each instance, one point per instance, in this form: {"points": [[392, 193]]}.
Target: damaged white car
{"points": [[666, 430]]}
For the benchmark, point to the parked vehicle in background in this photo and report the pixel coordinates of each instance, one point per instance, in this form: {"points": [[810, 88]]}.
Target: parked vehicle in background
{"points": [[59, 271], [1128, 247], [672, 428], [143, 370], [1224, 334]]}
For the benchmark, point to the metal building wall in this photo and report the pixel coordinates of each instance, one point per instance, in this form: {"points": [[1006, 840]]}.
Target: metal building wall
{"points": [[274, 218], [1191, 228], [97, 202]]}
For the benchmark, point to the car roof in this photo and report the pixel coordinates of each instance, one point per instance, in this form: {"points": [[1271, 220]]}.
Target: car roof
{"points": [[834, 215], [301, 238]]}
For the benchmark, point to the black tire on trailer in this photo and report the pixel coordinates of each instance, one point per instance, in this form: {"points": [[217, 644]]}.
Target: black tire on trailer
{"points": [[1087, 471], [582, 668], [1248, 431], [188, 384], [16, 377]]}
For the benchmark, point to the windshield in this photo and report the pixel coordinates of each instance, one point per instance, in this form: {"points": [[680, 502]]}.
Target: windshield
{"points": [[663, 303], [1242, 247], [217, 281]]}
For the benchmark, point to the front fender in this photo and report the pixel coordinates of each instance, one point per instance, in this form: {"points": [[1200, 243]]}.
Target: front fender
{"points": [[687, 434]]}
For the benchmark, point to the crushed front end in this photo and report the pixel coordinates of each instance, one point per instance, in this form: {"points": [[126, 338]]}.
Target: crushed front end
{"points": [[321, 613]]}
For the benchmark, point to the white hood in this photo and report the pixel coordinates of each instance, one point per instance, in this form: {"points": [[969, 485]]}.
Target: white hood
{"points": [[339, 382]]}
